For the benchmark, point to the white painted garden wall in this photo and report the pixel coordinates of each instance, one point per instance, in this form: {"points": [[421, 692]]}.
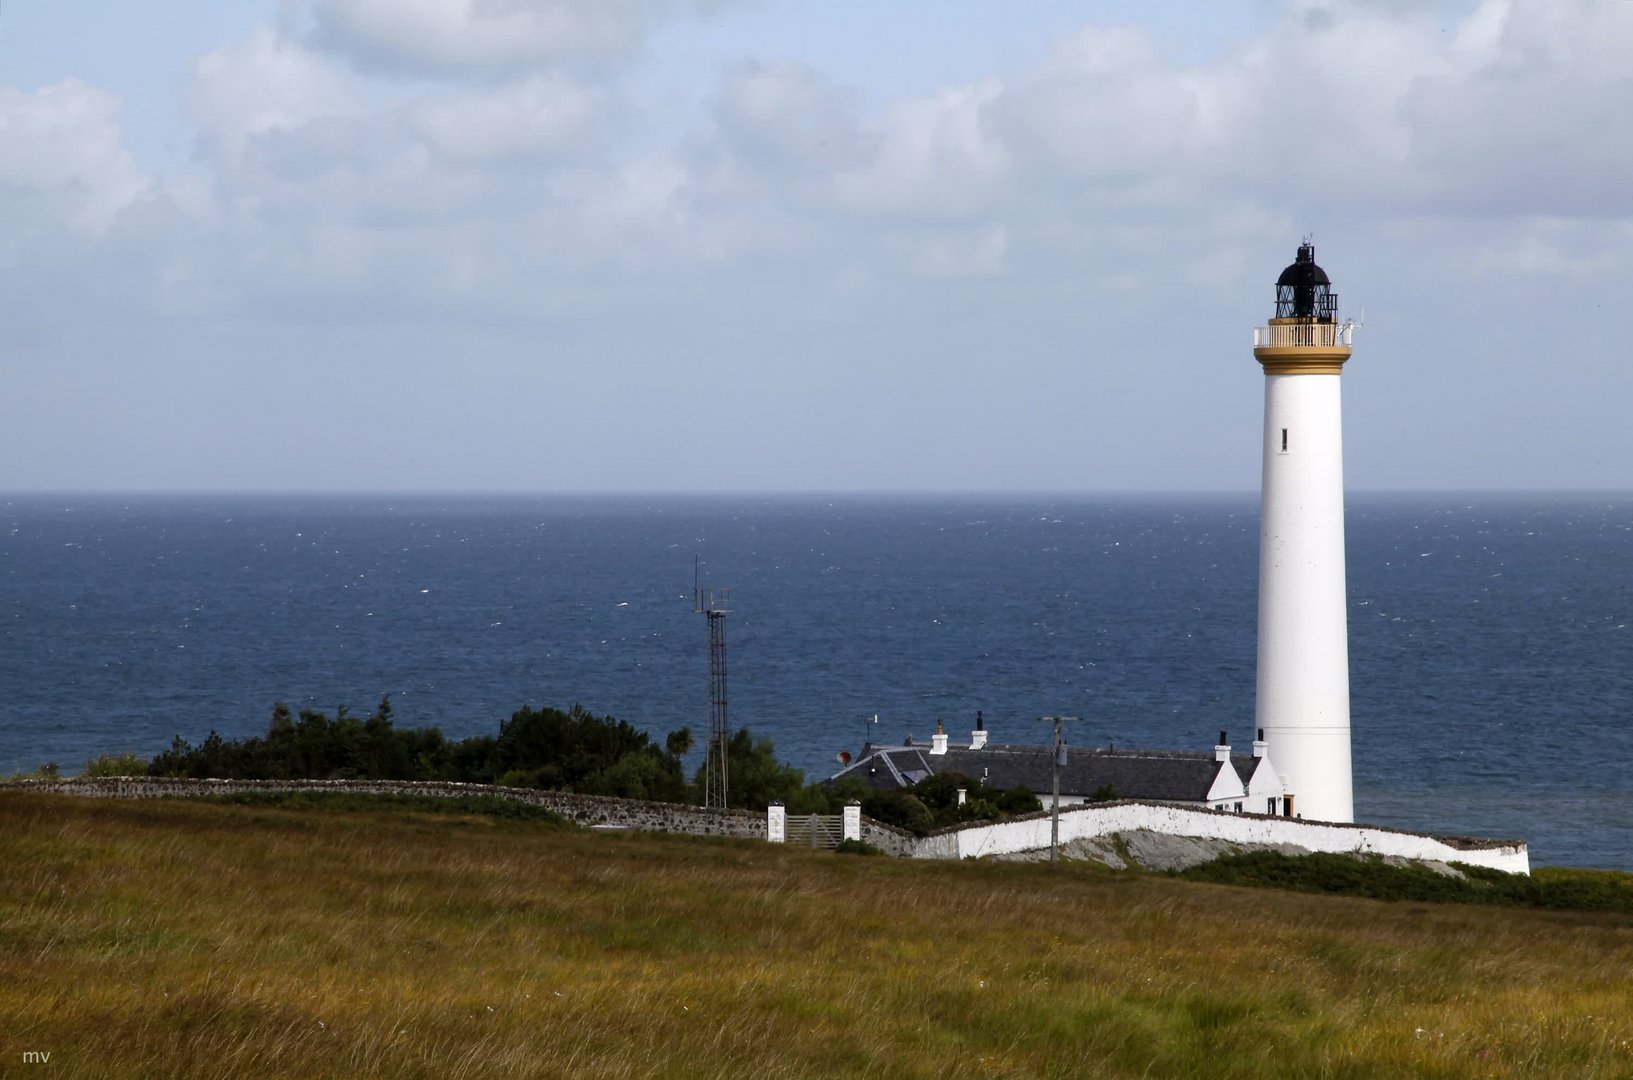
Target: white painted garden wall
{"points": [[1089, 822]]}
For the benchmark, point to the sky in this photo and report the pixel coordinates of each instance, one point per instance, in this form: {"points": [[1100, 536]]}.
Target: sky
{"points": [[803, 246]]}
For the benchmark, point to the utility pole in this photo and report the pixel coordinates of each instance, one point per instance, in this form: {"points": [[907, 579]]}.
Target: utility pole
{"points": [[1060, 759]]}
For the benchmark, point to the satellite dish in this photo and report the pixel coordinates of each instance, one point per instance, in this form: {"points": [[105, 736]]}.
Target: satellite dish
{"points": [[844, 757]]}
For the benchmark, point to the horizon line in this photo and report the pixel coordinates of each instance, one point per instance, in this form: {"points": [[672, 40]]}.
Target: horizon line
{"points": [[755, 493]]}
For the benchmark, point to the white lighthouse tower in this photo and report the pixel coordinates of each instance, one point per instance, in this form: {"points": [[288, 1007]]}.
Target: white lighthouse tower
{"points": [[1303, 681]]}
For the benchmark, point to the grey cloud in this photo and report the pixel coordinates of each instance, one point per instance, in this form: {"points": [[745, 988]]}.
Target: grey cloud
{"points": [[539, 117], [785, 117], [486, 38]]}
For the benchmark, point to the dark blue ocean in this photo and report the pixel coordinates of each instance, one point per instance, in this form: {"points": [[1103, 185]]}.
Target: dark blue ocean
{"points": [[1491, 636]]}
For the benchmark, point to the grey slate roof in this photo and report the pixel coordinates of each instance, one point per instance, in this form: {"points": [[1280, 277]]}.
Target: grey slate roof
{"points": [[1162, 775]]}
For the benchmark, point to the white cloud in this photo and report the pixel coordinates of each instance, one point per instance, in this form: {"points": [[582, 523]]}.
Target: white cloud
{"points": [[64, 143], [1531, 116], [1104, 108], [268, 83], [936, 157], [1010, 248], [785, 120], [534, 118], [1376, 109], [1107, 163]]}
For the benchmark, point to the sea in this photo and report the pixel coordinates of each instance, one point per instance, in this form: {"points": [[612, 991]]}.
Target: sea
{"points": [[1491, 635]]}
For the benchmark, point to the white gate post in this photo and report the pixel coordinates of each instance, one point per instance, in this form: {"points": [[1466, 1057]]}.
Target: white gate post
{"points": [[853, 821], [776, 823]]}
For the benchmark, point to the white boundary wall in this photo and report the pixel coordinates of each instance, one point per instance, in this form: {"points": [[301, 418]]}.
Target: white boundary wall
{"points": [[1089, 822], [970, 842]]}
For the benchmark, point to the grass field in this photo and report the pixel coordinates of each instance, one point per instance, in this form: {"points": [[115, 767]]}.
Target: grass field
{"points": [[171, 938]]}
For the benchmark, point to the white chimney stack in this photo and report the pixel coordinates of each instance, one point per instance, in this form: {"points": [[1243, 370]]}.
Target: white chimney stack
{"points": [[1222, 751], [938, 742], [978, 737], [1260, 747]]}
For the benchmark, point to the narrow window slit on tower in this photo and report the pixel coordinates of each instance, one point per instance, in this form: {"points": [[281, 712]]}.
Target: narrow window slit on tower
{"points": [[1284, 440]]}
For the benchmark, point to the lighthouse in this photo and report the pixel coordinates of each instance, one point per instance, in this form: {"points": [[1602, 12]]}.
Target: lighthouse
{"points": [[1302, 703]]}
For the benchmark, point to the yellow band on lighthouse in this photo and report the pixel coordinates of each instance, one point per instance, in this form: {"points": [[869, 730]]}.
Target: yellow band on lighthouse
{"points": [[1301, 361], [1301, 347]]}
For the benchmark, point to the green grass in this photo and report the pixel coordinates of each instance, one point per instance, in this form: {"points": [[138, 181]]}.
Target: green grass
{"points": [[491, 806], [179, 938]]}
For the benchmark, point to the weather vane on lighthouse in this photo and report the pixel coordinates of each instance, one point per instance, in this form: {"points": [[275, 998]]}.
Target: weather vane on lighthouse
{"points": [[1302, 701]]}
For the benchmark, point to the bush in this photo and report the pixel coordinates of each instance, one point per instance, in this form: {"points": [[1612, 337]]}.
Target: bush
{"points": [[116, 765], [1329, 873], [580, 752], [900, 809], [1018, 800], [1554, 888], [981, 802], [857, 847], [754, 776]]}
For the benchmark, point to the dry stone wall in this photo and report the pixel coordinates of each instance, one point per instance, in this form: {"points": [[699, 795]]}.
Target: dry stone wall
{"points": [[588, 810]]}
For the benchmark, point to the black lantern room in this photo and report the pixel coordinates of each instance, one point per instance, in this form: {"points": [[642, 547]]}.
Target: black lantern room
{"points": [[1303, 291]]}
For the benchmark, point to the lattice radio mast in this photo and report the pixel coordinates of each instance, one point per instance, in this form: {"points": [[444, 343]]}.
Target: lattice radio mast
{"points": [[713, 603]]}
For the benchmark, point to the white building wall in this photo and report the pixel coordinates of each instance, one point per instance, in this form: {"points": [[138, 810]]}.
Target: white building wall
{"points": [[1088, 822], [1303, 673], [1227, 789], [1263, 787]]}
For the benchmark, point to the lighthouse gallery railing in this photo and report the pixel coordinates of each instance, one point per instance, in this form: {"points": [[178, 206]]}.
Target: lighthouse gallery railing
{"points": [[1283, 335]]}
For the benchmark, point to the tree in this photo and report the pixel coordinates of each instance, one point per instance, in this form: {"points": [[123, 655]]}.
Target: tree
{"points": [[754, 776], [900, 809], [592, 755]]}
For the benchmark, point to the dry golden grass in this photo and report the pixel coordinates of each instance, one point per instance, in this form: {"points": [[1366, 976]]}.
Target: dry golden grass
{"points": [[169, 938]]}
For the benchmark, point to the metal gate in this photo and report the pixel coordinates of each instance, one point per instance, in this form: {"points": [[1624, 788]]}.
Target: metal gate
{"points": [[815, 830]]}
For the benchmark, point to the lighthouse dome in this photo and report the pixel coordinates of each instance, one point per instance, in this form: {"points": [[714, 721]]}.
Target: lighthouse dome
{"points": [[1304, 271], [1304, 291]]}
